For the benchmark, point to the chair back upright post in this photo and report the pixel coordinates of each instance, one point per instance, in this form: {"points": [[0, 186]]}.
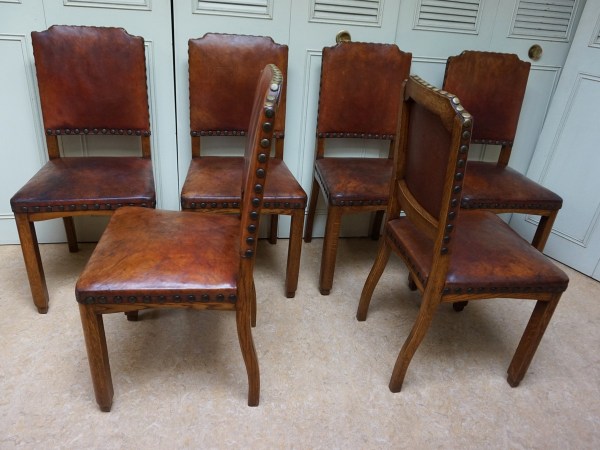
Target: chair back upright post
{"points": [[256, 158]]}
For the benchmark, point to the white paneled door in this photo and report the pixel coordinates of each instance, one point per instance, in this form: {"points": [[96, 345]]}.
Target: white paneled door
{"points": [[566, 158]]}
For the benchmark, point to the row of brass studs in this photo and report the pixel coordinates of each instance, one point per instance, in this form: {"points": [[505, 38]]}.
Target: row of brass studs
{"points": [[83, 207], [59, 131], [132, 299], [355, 135], [262, 159], [225, 205], [461, 161], [279, 135], [467, 204], [360, 202], [491, 142], [502, 289]]}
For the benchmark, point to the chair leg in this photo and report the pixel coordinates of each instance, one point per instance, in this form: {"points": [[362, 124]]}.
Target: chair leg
{"points": [[132, 316], [253, 305], [459, 306], [381, 260], [376, 226], [540, 318], [71, 234], [294, 252], [244, 330], [330, 245], [414, 339], [95, 342], [312, 207], [542, 233], [411, 282], [273, 229], [33, 262]]}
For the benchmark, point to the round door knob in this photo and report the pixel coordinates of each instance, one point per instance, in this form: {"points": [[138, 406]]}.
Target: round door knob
{"points": [[535, 52]]}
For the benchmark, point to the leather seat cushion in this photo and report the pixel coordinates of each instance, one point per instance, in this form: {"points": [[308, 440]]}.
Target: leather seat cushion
{"points": [[486, 256], [355, 181], [489, 186], [215, 182], [80, 183], [146, 253]]}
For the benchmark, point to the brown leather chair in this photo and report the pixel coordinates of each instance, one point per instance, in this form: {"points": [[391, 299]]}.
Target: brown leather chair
{"points": [[358, 99], [177, 259], [454, 254], [491, 86], [217, 109], [92, 81]]}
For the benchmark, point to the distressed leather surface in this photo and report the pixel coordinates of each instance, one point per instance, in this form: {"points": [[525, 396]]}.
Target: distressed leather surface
{"points": [[78, 183], [223, 69], [486, 256], [163, 253], [215, 181], [489, 186], [491, 86], [355, 181], [360, 88], [91, 78]]}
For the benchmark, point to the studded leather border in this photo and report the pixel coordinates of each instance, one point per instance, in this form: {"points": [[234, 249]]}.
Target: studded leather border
{"points": [[158, 299]]}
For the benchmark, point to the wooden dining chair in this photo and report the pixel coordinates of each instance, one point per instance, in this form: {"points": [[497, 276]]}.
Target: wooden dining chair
{"points": [[178, 259], [358, 99], [454, 254], [218, 110], [92, 81], [491, 86]]}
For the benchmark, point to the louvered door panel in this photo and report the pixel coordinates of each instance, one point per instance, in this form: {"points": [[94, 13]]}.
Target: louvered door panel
{"points": [[544, 19], [258, 8], [450, 16], [362, 12]]}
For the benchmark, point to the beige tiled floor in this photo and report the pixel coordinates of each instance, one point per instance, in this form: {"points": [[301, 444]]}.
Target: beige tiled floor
{"points": [[180, 381]]}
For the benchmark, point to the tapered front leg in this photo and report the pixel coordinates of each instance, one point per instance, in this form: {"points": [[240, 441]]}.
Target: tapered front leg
{"points": [[330, 245], [376, 226], [95, 342], [544, 228], [294, 252], [312, 207], [33, 262], [273, 229], [71, 234], [538, 322]]}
